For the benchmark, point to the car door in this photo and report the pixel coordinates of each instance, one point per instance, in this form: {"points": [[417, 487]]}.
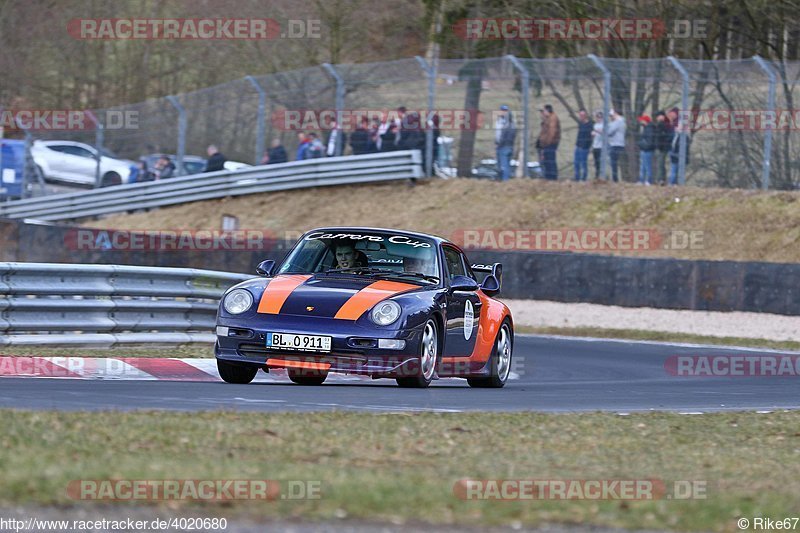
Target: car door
{"points": [[81, 164], [57, 160], [463, 308]]}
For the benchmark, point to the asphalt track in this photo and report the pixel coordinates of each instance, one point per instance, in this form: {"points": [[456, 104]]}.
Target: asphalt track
{"points": [[552, 375]]}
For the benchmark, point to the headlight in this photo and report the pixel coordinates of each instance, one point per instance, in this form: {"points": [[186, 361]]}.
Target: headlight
{"points": [[385, 313], [238, 301]]}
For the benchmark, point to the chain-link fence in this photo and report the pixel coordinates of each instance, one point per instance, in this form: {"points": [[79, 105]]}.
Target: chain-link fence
{"points": [[734, 123]]}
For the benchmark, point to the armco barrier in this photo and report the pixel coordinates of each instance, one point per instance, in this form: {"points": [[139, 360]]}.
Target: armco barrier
{"points": [[52, 303], [368, 168]]}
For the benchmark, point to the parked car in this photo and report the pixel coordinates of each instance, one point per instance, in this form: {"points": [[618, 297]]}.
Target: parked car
{"points": [[192, 164], [487, 169], [377, 302], [76, 163]]}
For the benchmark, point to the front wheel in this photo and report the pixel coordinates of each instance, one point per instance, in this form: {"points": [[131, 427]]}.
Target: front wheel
{"points": [[238, 374], [500, 361], [110, 179], [428, 359], [307, 378]]}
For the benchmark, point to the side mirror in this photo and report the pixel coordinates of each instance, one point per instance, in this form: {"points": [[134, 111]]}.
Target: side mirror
{"points": [[463, 284], [265, 268], [492, 282]]}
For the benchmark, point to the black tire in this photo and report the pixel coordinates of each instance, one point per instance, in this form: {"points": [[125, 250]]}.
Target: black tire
{"points": [[495, 380], [427, 365], [304, 377], [110, 178], [234, 373]]}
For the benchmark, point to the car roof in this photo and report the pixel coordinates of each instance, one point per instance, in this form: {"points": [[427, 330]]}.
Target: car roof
{"points": [[436, 238]]}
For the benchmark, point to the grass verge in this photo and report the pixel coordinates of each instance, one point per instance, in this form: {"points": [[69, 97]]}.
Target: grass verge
{"points": [[664, 336], [188, 350], [402, 467]]}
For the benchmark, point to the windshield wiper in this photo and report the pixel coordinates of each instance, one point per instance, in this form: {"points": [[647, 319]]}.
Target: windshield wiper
{"points": [[405, 273]]}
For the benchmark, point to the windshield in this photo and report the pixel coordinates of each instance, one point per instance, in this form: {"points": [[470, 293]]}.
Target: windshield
{"points": [[364, 254]]}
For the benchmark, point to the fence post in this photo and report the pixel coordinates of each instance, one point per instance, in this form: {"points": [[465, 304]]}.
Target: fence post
{"points": [[98, 145], [606, 110], [771, 109], [430, 75], [684, 116], [181, 132], [339, 101], [526, 84], [260, 120]]}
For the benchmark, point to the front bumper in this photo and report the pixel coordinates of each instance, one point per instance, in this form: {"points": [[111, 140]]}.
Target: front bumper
{"points": [[354, 347]]}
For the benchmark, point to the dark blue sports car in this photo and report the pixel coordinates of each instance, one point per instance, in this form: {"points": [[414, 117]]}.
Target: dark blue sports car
{"points": [[378, 302]]}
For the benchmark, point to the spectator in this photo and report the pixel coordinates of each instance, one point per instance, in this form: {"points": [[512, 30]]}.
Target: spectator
{"points": [[412, 136], [216, 161], [399, 125], [505, 133], [548, 141], [616, 141], [360, 139], [336, 141], [437, 133], [276, 154], [597, 142], [647, 144], [583, 143], [388, 139], [164, 168], [302, 146], [675, 149], [374, 137], [315, 147], [664, 131], [142, 172]]}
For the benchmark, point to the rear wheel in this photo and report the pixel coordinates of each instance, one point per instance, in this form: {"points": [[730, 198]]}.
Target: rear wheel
{"points": [[233, 373], [304, 377], [500, 363], [428, 359], [110, 178]]}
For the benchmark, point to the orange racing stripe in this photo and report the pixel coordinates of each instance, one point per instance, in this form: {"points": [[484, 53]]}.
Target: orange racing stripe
{"points": [[277, 291], [369, 296]]}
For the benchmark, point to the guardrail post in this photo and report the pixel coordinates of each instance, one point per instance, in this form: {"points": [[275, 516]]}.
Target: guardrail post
{"points": [[606, 110], [430, 75], [98, 145], [526, 84], [771, 109], [684, 114], [181, 152], [339, 101], [262, 109]]}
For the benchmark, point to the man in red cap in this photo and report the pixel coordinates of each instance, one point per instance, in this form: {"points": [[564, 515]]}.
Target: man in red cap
{"points": [[647, 144]]}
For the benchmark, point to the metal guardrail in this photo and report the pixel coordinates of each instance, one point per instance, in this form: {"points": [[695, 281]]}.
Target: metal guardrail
{"points": [[58, 304], [368, 168]]}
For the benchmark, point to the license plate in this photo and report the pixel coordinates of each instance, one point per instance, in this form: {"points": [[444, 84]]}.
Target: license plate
{"points": [[300, 343]]}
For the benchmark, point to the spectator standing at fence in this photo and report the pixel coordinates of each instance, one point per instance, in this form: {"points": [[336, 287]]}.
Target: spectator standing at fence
{"points": [[616, 141], [374, 136], [276, 154], [336, 139], [505, 132], [549, 138], [597, 142], [647, 144], [216, 161], [315, 147], [663, 130], [675, 149], [359, 139], [164, 168], [303, 142], [583, 143], [388, 138], [143, 173]]}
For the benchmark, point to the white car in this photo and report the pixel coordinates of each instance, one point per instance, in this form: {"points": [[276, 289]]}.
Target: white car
{"points": [[76, 163]]}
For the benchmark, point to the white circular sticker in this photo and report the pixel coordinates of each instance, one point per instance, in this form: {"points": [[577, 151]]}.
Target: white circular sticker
{"points": [[469, 319]]}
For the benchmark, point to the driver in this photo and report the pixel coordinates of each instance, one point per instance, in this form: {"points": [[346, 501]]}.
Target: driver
{"points": [[348, 257]]}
